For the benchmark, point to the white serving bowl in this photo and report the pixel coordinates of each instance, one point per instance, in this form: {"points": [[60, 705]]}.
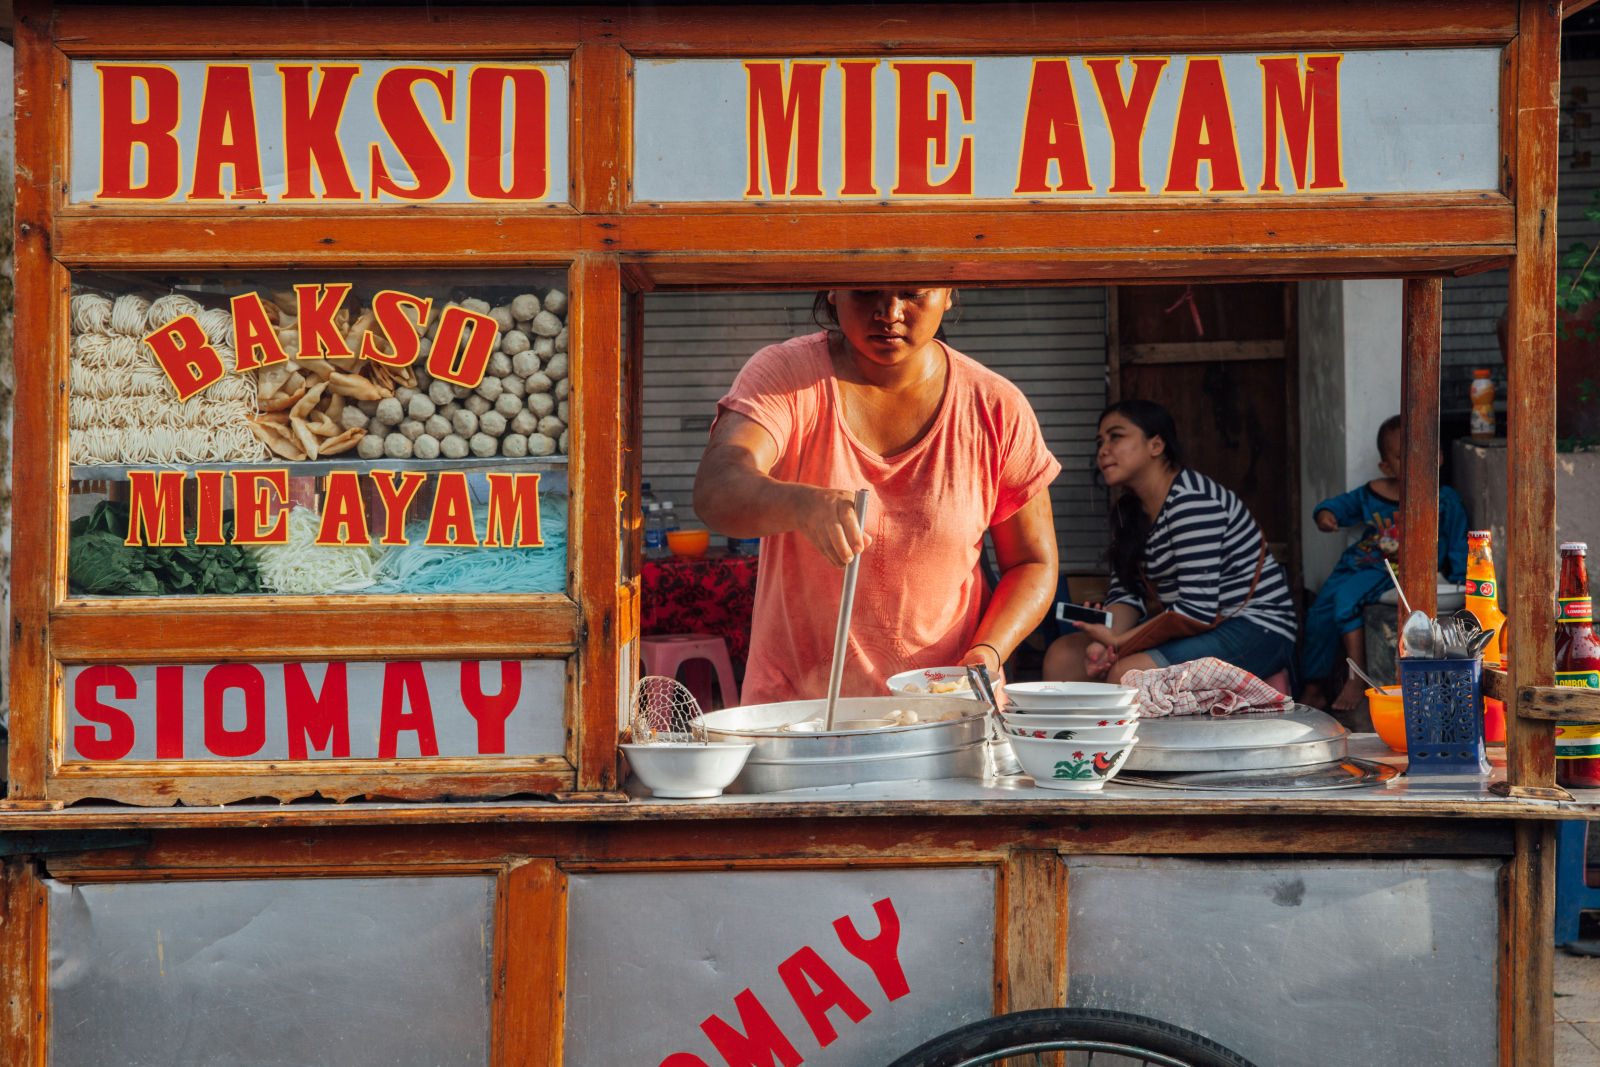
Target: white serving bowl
{"points": [[1054, 696], [1083, 735], [926, 677], [1079, 766], [1041, 721], [687, 769]]}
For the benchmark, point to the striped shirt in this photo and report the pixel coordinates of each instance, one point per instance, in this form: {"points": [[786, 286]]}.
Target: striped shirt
{"points": [[1201, 557]]}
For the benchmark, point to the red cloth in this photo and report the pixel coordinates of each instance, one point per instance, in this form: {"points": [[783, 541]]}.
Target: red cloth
{"points": [[920, 591], [701, 595], [1203, 685]]}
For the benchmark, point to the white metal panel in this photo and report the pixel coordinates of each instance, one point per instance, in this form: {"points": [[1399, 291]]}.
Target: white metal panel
{"points": [[658, 963], [1050, 342]]}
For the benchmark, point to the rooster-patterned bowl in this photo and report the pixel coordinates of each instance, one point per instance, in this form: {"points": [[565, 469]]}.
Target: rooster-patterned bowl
{"points": [[1069, 764]]}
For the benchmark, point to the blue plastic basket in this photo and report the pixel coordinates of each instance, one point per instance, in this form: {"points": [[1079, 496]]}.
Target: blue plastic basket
{"points": [[1444, 715]]}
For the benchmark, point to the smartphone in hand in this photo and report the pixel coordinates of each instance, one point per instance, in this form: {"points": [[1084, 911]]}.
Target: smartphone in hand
{"points": [[1066, 612]]}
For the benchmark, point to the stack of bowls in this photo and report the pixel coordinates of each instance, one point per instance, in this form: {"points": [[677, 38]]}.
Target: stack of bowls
{"points": [[1071, 735]]}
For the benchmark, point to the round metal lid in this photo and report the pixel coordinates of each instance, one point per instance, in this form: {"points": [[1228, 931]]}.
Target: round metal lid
{"points": [[1251, 729], [1299, 737]]}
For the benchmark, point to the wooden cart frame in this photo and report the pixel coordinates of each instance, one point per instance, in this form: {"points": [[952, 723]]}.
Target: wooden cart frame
{"points": [[616, 249]]}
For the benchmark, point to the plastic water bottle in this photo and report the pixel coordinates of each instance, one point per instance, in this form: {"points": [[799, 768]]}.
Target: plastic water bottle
{"points": [[646, 497], [655, 539], [669, 520], [750, 546]]}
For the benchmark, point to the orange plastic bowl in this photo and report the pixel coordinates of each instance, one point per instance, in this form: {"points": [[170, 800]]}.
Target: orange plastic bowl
{"points": [[1388, 716], [688, 542]]}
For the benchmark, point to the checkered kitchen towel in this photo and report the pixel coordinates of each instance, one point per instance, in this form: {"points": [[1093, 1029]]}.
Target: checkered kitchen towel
{"points": [[1201, 686]]}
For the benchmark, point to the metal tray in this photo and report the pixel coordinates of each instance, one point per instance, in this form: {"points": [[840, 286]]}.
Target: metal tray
{"points": [[1299, 737], [1348, 773], [782, 760]]}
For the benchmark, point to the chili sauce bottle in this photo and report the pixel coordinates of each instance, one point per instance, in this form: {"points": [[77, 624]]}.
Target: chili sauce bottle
{"points": [[1577, 663]]}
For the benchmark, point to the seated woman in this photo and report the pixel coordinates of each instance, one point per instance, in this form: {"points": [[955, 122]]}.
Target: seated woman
{"points": [[1180, 538]]}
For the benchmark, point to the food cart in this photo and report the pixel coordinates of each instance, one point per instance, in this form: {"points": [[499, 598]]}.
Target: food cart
{"points": [[291, 823]]}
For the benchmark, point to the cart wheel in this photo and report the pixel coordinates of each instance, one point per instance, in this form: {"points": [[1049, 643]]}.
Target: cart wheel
{"points": [[1117, 1037]]}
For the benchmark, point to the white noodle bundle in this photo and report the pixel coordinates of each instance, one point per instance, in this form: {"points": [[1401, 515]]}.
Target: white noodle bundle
{"points": [[145, 381], [101, 446], [93, 349], [234, 389], [127, 352], [128, 315], [77, 451], [305, 568], [91, 313], [168, 308], [218, 325], [81, 412]]}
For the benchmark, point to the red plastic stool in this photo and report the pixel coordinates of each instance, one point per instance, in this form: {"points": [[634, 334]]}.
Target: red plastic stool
{"points": [[665, 654], [1280, 682]]}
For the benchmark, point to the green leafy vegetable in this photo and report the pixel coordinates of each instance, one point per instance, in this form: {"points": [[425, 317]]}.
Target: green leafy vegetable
{"points": [[98, 563]]}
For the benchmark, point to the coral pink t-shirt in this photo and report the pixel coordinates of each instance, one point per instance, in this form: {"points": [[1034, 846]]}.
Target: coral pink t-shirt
{"points": [[920, 593]]}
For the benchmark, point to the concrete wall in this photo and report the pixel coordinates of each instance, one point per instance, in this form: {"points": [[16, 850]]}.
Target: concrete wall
{"points": [[1350, 340]]}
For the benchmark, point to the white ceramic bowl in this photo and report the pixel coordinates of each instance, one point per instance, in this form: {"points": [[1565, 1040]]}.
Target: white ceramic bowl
{"points": [[1051, 696], [1086, 735], [686, 769], [1040, 721], [1069, 764], [930, 676]]}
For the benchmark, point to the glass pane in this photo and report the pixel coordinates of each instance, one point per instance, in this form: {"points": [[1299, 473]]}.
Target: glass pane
{"points": [[318, 433], [341, 971]]}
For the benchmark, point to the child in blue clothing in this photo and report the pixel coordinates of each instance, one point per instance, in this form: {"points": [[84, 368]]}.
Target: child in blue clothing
{"points": [[1334, 625]]}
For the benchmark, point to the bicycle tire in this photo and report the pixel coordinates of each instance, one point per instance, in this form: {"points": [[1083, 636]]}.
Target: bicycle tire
{"points": [[1002, 1033]]}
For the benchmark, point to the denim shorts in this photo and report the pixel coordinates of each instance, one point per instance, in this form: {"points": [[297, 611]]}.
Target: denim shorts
{"points": [[1236, 641]]}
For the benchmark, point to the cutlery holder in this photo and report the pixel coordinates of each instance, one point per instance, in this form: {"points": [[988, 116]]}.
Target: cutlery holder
{"points": [[1443, 701]]}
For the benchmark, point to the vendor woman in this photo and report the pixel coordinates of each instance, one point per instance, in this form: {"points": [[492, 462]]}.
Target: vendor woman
{"points": [[949, 450], [1179, 538]]}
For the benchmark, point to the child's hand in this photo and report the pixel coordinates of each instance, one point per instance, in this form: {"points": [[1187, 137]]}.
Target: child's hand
{"points": [[1325, 521]]}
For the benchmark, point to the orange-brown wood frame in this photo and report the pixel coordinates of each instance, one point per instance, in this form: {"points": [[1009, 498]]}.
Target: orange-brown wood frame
{"points": [[612, 245]]}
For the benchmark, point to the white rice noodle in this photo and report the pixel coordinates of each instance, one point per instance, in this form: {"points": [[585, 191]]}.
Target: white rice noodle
{"points": [[168, 308], [218, 325], [92, 349], [91, 313], [128, 352], [128, 315]]}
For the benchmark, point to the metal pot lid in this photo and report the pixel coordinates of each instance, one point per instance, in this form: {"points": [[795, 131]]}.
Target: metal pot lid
{"points": [[1348, 773], [1245, 730]]}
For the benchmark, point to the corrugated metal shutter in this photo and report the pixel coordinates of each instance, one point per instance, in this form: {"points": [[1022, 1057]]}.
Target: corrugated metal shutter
{"points": [[1051, 342], [1472, 305]]}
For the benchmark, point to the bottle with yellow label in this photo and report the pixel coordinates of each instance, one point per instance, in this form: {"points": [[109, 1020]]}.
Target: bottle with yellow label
{"points": [[1483, 591], [1577, 663]]}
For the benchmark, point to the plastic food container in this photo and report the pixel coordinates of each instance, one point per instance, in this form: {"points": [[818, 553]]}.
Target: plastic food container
{"points": [[1388, 716], [688, 542]]}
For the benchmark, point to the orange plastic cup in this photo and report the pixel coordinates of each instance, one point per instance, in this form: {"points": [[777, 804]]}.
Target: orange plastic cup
{"points": [[1388, 712], [688, 542]]}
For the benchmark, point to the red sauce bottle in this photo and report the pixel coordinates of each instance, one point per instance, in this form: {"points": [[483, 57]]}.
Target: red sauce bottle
{"points": [[1577, 663]]}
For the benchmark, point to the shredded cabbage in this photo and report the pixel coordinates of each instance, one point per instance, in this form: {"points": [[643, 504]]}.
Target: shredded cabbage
{"points": [[302, 567]]}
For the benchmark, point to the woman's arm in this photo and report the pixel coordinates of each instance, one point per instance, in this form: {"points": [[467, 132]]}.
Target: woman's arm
{"points": [[734, 494], [1025, 548]]}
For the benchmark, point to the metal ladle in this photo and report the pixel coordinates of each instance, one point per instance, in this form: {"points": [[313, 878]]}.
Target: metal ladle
{"points": [[846, 601]]}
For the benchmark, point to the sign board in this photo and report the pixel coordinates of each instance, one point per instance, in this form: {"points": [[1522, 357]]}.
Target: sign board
{"points": [[699, 969], [290, 712], [329, 132], [1035, 128]]}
